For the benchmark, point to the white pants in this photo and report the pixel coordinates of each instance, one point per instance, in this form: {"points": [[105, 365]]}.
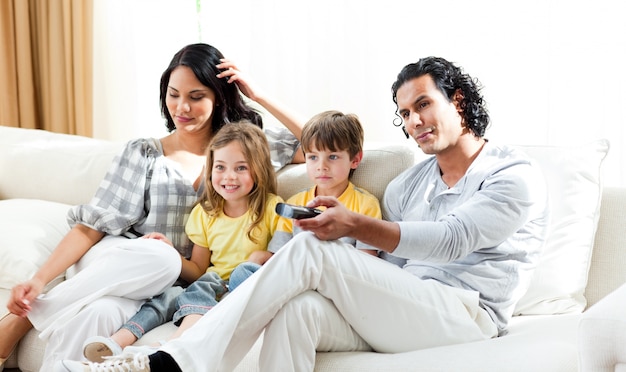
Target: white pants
{"points": [[103, 290], [327, 296]]}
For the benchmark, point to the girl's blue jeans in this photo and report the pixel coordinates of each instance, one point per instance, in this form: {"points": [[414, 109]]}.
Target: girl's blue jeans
{"points": [[176, 303], [241, 273]]}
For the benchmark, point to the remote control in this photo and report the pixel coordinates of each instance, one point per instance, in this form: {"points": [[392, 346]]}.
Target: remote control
{"points": [[295, 211]]}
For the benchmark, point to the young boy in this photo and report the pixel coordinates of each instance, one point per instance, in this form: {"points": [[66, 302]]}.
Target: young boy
{"points": [[332, 143]]}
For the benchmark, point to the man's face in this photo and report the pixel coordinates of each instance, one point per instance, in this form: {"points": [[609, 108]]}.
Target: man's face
{"points": [[433, 121]]}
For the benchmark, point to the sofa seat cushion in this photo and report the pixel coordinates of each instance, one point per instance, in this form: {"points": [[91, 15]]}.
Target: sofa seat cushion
{"points": [[602, 334], [534, 343], [556, 332]]}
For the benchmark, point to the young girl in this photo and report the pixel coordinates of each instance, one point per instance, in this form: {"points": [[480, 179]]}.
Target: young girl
{"points": [[240, 197]]}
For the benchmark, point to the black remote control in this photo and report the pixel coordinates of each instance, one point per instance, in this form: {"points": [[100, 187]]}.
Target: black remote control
{"points": [[295, 211]]}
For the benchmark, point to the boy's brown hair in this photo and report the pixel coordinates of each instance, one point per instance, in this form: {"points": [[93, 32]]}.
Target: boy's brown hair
{"points": [[333, 131]]}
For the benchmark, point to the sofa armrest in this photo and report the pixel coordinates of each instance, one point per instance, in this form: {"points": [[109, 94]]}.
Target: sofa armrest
{"points": [[602, 334]]}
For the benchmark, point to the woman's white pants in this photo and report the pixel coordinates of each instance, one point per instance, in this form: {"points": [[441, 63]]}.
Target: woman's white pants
{"points": [[327, 296], [103, 290]]}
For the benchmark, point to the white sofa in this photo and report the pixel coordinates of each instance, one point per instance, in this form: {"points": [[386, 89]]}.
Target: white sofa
{"points": [[43, 173]]}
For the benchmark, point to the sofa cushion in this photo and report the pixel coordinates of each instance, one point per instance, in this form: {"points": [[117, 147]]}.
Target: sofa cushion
{"points": [[52, 166], [602, 334], [29, 231], [574, 188], [381, 163]]}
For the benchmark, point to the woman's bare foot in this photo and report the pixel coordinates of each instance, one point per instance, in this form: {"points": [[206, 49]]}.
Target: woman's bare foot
{"points": [[12, 329]]}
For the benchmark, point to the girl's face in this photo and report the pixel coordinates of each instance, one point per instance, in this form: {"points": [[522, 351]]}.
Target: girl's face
{"points": [[231, 175], [189, 103]]}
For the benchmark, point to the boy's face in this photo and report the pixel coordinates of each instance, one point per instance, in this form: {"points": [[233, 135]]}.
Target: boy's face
{"points": [[329, 170]]}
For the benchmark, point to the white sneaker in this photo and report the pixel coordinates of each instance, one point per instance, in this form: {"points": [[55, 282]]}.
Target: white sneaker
{"points": [[120, 363], [142, 349], [97, 347]]}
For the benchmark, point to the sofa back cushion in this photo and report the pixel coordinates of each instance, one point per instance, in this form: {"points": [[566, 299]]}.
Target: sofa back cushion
{"points": [[381, 163], [37, 164]]}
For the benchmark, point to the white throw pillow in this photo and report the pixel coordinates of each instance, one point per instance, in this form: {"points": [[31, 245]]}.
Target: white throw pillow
{"points": [[573, 174], [29, 231]]}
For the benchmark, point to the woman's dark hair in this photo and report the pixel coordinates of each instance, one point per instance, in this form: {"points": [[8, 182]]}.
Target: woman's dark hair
{"points": [[229, 104], [449, 78]]}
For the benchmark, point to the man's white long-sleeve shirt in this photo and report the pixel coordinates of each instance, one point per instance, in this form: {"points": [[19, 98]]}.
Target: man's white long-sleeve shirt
{"points": [[483, 234]]}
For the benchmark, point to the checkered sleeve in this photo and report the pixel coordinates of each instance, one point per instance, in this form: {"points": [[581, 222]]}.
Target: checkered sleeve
{"points": [[283, 146], [120, 202]]}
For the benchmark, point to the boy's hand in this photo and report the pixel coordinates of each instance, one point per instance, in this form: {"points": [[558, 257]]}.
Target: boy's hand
{"points": [[336, 221]]}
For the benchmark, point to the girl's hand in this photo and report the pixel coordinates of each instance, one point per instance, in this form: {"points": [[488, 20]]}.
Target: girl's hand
{"points": [[22, 295], [234, 75], [158, 236]]}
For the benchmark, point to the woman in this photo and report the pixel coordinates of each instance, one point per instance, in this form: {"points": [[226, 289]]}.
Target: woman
{"points": [[151, 186]]}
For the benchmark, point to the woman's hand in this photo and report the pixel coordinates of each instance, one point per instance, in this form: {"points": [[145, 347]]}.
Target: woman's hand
{"points": [[158, 236], [234, 75], [22, 295], [70, 249], [290, 120]]}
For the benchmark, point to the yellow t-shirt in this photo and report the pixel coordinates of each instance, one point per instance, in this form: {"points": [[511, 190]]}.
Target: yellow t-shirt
{"points": [[226, 237], [354, 198]]}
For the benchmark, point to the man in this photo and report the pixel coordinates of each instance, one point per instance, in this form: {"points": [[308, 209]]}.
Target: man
{"points": [[469, 223]]}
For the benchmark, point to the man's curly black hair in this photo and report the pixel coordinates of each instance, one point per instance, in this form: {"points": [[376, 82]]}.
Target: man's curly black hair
{"points": [[449, 78]]}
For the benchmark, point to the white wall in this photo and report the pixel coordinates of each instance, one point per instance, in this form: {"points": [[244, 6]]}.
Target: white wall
{"points": [[552, 70]]}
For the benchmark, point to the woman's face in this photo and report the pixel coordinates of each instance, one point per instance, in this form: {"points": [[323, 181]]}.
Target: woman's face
{"points": [[189, 103]]}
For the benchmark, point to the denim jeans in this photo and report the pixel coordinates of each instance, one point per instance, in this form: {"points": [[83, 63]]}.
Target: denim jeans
{"points": [[241, 273], [154, 312], [176, 303], [200, 296]]}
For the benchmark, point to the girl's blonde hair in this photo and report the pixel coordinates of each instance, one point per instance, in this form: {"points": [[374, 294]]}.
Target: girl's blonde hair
{"points": [[256, 150]]}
